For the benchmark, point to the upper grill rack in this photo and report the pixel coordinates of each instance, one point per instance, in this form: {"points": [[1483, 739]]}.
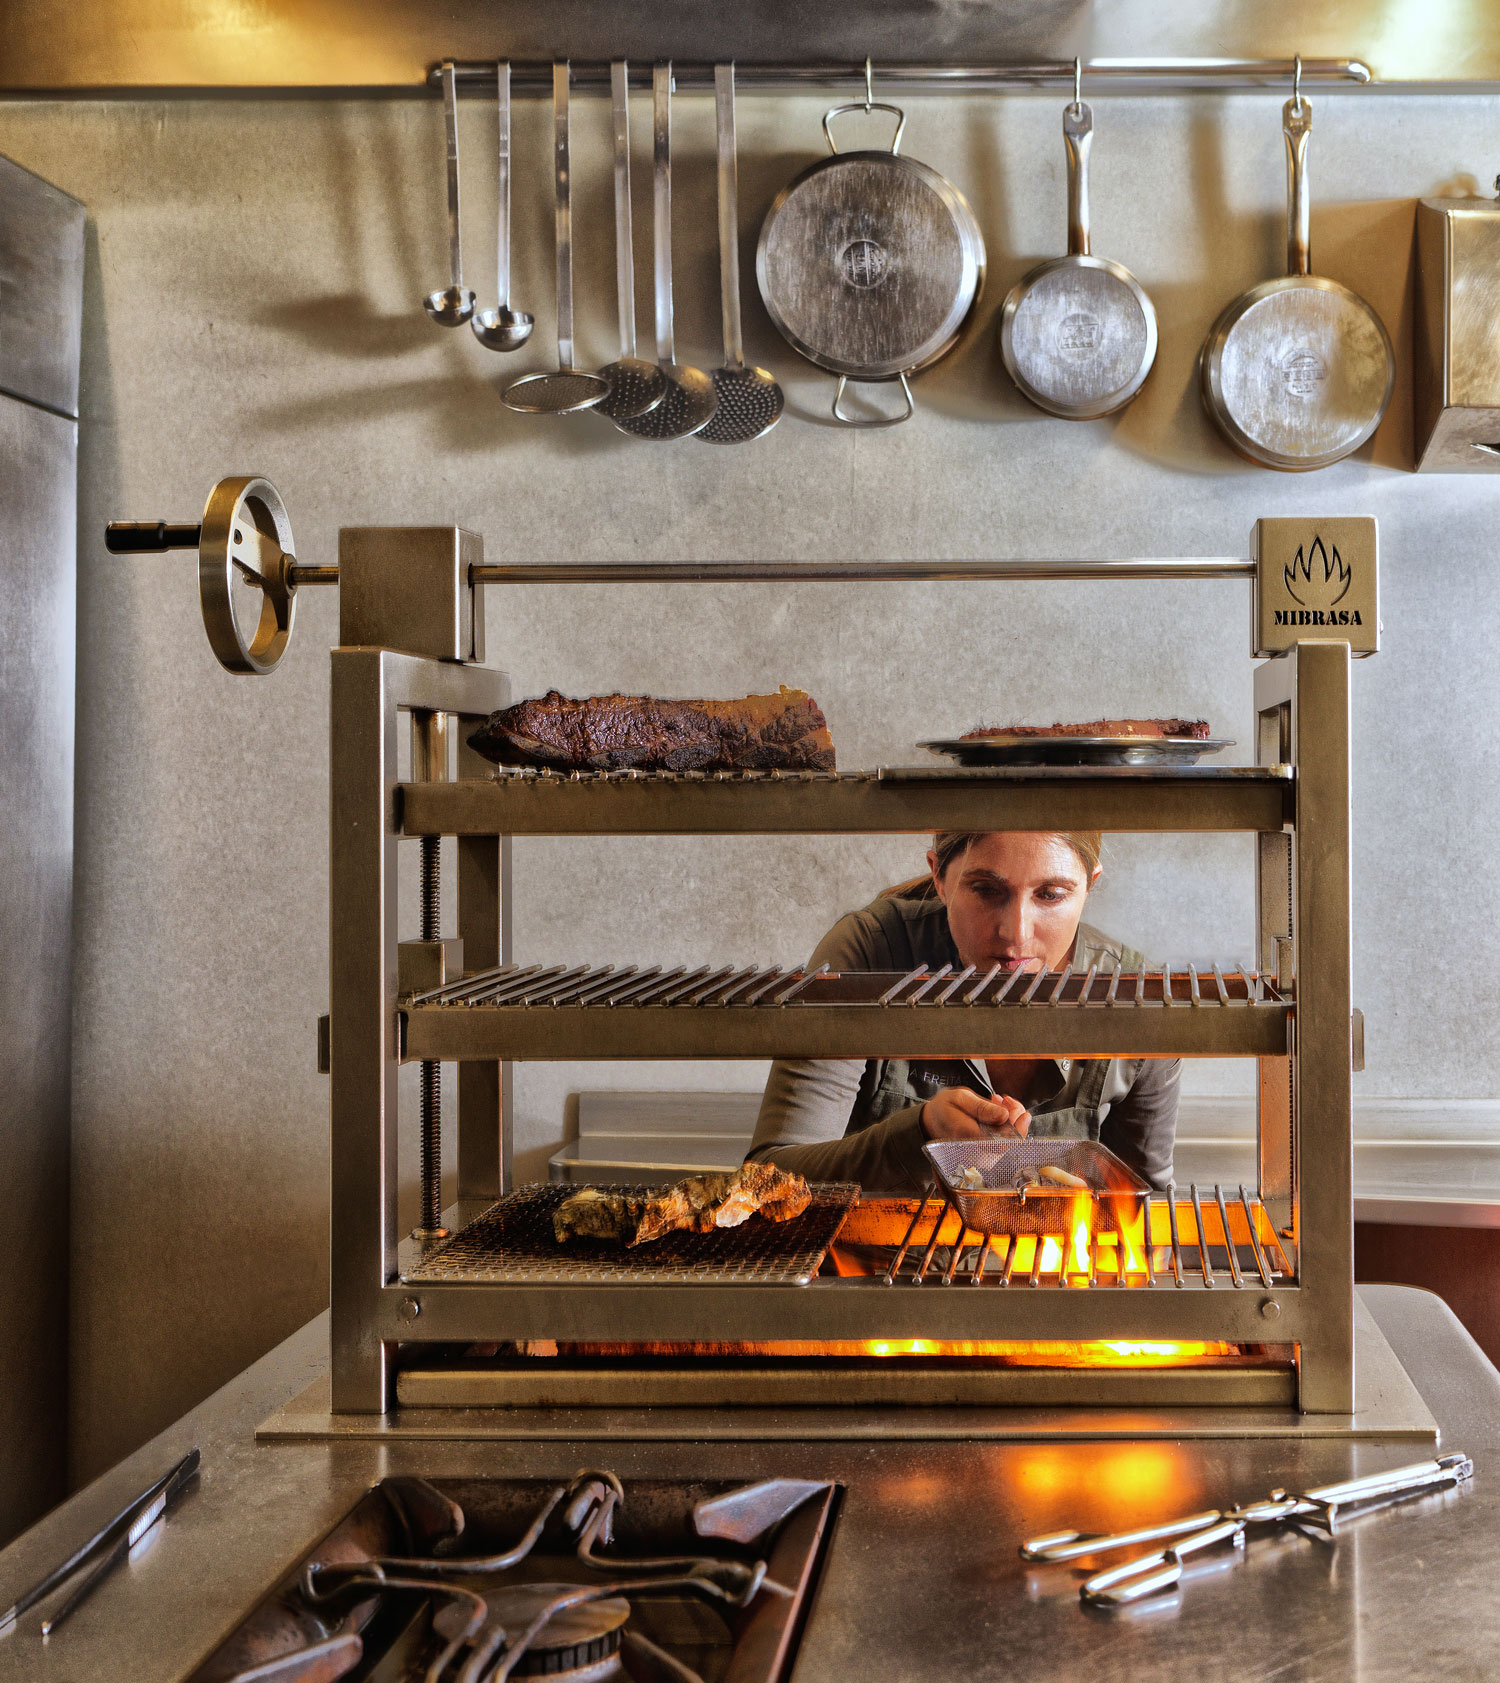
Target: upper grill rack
{"points": [[1175, 986]]}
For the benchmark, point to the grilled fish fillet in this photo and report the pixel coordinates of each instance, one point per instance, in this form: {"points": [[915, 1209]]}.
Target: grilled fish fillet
{"points": [[695, 1205], [785, 732]]}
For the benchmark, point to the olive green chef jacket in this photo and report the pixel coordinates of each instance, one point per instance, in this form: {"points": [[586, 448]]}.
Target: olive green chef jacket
{"points": [[841, 1119]]}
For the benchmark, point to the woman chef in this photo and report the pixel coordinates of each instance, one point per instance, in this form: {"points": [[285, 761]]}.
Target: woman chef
{"points": [[1008, 897]]}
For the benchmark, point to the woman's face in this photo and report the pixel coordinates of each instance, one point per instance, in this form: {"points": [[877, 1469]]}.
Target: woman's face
{"points": [[1014, 896]]}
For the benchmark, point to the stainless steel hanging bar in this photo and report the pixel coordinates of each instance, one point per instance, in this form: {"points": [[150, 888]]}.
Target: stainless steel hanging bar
{"points": [[1104, 75], [957, 982], [754, 572], [1234, 1261], [927, 986], [1258, 1253], [900, 1256], [1172, 1225]]}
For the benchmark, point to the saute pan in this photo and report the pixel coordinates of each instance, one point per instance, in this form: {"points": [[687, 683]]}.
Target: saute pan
{"points": [[1298, 371], [1078, 334], [869, 263]]}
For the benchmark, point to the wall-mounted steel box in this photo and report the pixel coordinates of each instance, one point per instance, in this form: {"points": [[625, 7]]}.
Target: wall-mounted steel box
{"points": [[1456, 373]]}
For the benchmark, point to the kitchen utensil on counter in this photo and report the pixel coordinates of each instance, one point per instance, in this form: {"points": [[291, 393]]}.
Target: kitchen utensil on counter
{"points": [[1297, 373], [1076, 750], [452, 306], [502, 329], [636, 386], [690, 402], [750, 400], [102, 1552], [1149, 1574], [870, 262], [1078, 333], [567, 389]]}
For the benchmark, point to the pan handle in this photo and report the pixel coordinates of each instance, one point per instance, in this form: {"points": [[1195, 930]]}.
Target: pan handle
{"points": [[886, 421], [1296, 125], [865, 105], [1078, 136]]}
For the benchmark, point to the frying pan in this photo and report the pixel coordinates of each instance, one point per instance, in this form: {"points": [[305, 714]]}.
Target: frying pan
{"points": [[1297, 372], [869, 263], [1078, 333]]}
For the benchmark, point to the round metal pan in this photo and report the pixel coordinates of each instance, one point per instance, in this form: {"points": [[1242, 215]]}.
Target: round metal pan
{"points": [[1078, 333], [869, 263], [1077, 750], [1298, 372]]}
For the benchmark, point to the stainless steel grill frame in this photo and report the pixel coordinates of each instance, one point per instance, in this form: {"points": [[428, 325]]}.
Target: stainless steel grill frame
{"points": [[1296, 800]]}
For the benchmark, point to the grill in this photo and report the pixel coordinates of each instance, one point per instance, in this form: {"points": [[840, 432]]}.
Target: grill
{"points": [[1217, 1270]]}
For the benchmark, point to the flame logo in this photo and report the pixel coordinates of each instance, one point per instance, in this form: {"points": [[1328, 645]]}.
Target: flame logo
{"points": [[1317, 577]]}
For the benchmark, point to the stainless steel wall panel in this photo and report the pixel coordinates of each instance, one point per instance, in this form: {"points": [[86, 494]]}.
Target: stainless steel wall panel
{"points": [[38, 479], [41, 290]]}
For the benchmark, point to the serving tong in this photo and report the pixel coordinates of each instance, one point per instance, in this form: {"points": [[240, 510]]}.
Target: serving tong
{"points": [[1149, 1574]]}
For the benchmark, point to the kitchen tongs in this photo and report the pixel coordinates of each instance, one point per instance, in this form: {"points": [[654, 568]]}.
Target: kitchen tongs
{"points": [[1148, 1574]]}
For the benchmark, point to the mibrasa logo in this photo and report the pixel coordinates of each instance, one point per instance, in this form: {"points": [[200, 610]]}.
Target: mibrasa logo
{"points": [[1317, 577]]}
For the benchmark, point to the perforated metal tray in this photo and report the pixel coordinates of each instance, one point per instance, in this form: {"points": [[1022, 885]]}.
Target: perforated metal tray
{"points": [[513, 1243], [1114, 1199]]}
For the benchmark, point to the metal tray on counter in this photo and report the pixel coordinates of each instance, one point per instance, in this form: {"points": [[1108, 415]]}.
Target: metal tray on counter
{"points": [[1111, 1201], [1076, 750], [512, 1243]]}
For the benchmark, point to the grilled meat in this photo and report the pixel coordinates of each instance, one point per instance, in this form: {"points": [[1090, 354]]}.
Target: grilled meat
{"points": [[785, 732], [695, 1205], [596, 1214], [1196, 729]]}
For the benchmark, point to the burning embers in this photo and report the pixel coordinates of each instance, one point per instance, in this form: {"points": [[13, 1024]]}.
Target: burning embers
{"points": [[583, 1582]]}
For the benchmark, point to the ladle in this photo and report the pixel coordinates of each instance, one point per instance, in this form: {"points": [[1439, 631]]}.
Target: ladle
{"points": [[502, 329], [567, 389], [750, 400], [690, 401], [453, 306], [637, 386]]}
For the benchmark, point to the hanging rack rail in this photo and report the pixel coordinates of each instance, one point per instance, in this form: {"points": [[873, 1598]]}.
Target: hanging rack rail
{"points": [[1131, 75]]}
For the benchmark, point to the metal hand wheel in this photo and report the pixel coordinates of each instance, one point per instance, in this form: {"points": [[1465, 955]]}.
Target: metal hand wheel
{"points": [[245, 529]]}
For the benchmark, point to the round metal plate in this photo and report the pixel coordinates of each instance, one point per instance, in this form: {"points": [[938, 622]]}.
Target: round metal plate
{"points": [[1078, 336], [1077, 750], [1298, 372], [869, 262]]}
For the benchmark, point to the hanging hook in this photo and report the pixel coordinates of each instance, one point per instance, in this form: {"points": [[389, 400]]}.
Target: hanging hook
{"points": [[1077, 83], [869, 85], [1297, 83]]}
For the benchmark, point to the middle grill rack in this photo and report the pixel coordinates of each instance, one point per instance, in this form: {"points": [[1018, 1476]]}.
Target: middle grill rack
{"points": [[587, 1011]]}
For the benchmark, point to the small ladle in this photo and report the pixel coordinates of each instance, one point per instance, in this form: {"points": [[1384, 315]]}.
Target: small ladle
{"points": [[502, 329], [453, 306]]}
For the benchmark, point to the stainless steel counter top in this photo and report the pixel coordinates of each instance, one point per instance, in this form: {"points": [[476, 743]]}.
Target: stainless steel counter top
{"points": [[923, 1579]]}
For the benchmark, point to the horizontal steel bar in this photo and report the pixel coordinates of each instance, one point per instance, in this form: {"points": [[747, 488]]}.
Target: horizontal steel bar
{"points": [[1102, 74], [834, 572], [451, 1034], [462, 1311], [899, 802]]}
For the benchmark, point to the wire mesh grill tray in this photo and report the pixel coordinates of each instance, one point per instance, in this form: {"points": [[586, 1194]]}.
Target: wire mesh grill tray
{"points": [[512, 1243], [1112, 1199]]}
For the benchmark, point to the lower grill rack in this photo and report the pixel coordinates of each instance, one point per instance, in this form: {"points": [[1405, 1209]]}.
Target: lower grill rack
{"points": [[1214, 1237]]}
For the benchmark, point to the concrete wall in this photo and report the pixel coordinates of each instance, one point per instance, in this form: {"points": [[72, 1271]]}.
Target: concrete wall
{"points": [[254, 286]]}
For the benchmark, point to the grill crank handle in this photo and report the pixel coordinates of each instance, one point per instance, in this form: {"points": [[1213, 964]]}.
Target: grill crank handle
{"points": [[244, 530]]}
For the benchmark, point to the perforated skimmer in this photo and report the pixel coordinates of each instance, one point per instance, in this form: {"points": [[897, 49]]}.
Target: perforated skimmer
{"points": [[568, 389], [750, 400], [690, 401]]}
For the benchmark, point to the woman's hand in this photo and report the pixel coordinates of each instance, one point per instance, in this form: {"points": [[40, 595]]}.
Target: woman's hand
{"points": [[958, 1113]]}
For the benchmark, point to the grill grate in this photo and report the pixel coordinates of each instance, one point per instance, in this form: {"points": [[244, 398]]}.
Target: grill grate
{"points": [[512, 1244], [1183, 987], [1210, 1239]]}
